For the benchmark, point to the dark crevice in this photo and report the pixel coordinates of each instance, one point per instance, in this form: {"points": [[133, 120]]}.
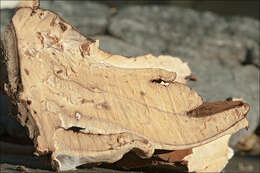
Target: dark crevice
{"points": [[249, 57], [161, 82], [29, 102], [76, 129], [26, 120], [107, 32], [161, 151], [229, 99], [157, 81], [63, 26]]}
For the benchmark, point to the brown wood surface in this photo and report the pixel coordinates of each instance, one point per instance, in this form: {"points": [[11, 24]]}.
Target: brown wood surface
{"points": [[84, 105]]}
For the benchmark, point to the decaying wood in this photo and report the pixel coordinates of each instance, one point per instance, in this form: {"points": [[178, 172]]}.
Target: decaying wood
{"points": [[208, 159], [200, 159], [149, 61], [84, 105]]}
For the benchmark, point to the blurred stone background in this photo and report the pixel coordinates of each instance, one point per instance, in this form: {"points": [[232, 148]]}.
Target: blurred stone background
{"points": [[219, 40]]}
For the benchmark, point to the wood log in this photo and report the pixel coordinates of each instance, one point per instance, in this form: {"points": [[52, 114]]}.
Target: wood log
{"points": [[83, 105]]}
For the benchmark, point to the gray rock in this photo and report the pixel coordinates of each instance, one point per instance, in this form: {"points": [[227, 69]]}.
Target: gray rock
{"points": [[116, 46], [187, 33], [246, 31], [5, 18], [244, 28], [246, 80], [134, 25], [87, 16]]}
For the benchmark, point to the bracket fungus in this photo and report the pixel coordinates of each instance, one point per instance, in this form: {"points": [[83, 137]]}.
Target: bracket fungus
{"points": [[83, 105]]}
